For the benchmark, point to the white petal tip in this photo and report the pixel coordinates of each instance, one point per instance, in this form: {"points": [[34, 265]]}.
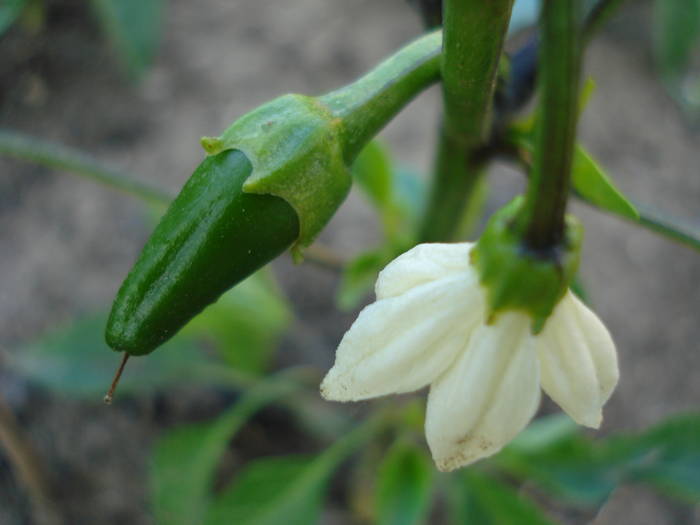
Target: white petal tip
{"points": [[467, 451], [593, 421], [333, 390], [336, 387], [454, 462]]}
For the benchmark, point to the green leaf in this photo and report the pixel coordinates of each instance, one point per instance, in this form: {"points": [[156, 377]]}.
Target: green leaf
{"points": [[245, 323], [372, 170], [184, 461], [404, 486], [9, 11], [570, 467], [133, 26], [358, 278], [667, 456], [285, 490], [584, 472], [676, 33], [75, 360], [482, 500], [410, 196], [594, 186], [676, 40], [398, 195], [544, 433], [272, 491], [243, 326]]}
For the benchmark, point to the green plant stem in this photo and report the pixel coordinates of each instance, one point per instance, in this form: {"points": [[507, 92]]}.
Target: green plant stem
{"points": [[474, 32], [672, 228], [28, 148], [559, 78], [366, 105]]}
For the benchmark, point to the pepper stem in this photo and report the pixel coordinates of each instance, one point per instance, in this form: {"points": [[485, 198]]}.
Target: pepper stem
{"points": [[559, 77], [110, 393], [474, 32], [368, 104]]}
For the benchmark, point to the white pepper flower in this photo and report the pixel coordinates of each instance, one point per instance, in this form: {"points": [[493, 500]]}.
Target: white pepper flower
{"points": [[428, 327]]}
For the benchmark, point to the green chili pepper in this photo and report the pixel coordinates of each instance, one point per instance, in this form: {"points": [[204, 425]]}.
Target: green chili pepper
{"points": [[272, 180], [213, 236]]}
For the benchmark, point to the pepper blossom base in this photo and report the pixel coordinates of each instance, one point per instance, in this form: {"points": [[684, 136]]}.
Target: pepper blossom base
{"points": [[429, 326]]}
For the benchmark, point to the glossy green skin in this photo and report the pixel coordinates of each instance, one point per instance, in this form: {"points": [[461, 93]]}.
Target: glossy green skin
{"points": [[213, 236]]}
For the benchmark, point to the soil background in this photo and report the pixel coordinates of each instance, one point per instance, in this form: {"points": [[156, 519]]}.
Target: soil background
{"points": [[66, 244]]}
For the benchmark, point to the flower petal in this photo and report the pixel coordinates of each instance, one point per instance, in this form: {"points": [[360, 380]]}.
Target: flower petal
{"points": [[487, 397], [601, 347], [578, 362], [422, 264], [403, 343]]}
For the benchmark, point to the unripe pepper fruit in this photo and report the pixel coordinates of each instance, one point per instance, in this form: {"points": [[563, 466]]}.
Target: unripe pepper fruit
{"points": [[271, 181], [212, 237]]}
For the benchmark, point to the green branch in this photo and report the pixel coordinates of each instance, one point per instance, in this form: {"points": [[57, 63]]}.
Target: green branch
{"points": [[559, 76], [474, 32], [34, 150], [367, 105]]}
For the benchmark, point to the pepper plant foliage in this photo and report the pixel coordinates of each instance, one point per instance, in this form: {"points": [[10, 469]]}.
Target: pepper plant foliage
{"points": [[273, 180]]}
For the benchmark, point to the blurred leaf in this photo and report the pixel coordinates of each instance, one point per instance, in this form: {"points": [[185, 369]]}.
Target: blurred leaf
{"points": [[552, 453], [404, 486], [75, 360], [398, 195], [410, 194], [676, 48], [667, 456], [272, 491], [585, 472], [676, 33], [358, 278], [133, 26], [481, 500], [9, 11], [184, 461], [593, 185], [544, 432], [570, 467], [373, 172], [245, 323], [286, 490]]}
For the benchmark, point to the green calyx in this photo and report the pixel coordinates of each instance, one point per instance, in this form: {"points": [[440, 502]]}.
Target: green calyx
{"points": [[301, 147], [294, 146], [519, 278]]}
